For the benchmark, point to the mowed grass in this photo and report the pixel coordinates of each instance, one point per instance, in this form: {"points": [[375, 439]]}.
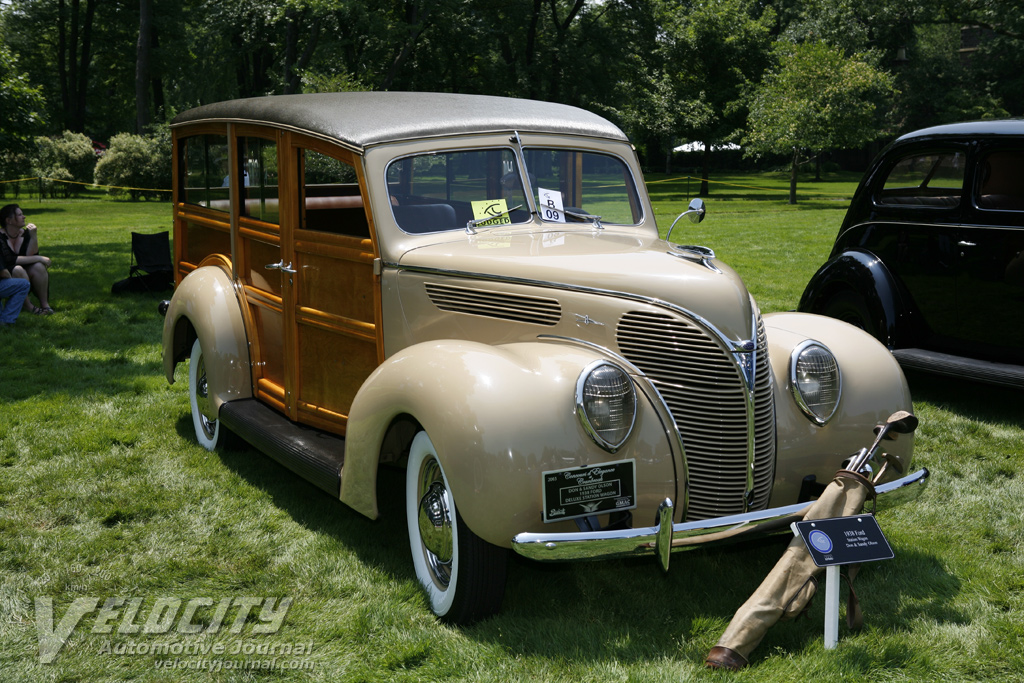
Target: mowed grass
{"points": [[104, 494]]}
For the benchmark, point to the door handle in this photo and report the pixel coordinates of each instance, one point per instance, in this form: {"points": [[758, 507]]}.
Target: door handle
{"points": [[280, 265], [965, 243]]}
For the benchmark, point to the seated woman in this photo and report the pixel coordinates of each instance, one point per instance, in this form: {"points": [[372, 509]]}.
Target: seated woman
{"points": [[31, 265]]}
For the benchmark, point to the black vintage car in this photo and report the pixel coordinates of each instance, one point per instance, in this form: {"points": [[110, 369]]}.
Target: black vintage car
{"points": [[930, 257]]}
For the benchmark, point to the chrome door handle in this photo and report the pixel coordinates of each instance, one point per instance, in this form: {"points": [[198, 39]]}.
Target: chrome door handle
{"points": [[280, 265], [964, 243]]}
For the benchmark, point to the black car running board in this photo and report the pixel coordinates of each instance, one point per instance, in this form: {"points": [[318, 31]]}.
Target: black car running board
{"points": [[959, 366], [314, 455]]}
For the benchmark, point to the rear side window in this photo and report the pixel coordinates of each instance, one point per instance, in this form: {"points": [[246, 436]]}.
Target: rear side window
{"points": [[1001, 181], [205, 169], [932, 179], [259, 178]]}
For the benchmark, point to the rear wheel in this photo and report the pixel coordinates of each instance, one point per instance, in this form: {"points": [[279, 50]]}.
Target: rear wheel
{"points": [[204, 419], [463, 575], [850, 308]]}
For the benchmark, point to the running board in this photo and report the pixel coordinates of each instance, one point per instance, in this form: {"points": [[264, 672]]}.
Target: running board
{"points": [[314, 455], [959, 366]]}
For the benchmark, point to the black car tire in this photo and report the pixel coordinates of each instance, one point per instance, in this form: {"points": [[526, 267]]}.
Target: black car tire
{"points": [[851, 308]]}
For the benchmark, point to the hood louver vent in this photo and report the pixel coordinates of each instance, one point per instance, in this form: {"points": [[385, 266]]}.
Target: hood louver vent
{"points": [[501, 305]]}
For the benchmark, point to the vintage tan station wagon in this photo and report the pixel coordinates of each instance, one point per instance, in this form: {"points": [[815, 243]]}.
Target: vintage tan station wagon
{"points": [[475, 288]]}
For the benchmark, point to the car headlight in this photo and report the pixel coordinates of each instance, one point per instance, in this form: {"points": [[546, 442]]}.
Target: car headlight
{"points": [[814, 376], [606, 404]]}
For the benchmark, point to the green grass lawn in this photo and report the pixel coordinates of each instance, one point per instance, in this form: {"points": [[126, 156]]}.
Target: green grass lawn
{"points": [[104, 494]]}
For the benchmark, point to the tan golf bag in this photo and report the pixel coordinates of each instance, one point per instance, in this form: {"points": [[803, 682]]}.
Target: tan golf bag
{"points": [[789, 587]]}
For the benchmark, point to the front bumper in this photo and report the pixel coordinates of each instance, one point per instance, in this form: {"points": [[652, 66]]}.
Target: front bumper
{"points": [[665, 537]]}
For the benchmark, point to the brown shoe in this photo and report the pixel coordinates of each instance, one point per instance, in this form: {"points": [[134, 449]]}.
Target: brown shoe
{"points": [[725, 658]]}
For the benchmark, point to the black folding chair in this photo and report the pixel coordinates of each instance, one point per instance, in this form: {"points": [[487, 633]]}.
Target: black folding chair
{"points": [[151, 260]]}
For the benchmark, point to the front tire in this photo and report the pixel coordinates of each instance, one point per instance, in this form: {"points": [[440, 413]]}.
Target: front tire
{"points": [[851, 308], [463, 575], [205, 422]]}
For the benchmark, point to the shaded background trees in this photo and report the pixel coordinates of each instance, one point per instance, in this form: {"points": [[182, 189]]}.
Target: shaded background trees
{"points": [[668, 71]]}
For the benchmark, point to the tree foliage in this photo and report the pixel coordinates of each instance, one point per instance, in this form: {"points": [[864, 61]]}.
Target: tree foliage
{"points": [[666, 70], [68, 159], [816, 98], [136, 165]]}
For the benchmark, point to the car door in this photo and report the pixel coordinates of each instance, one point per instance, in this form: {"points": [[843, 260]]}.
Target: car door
{"points": [[990, 279], [335, 297], [917, 215], [263, 259]]}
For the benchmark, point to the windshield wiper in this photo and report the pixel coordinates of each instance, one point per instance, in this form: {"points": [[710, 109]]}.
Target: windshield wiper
{"points": [[596, 220]]}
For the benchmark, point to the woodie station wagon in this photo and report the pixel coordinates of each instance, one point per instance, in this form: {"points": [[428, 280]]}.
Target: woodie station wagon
{"points": [[474, 288]]}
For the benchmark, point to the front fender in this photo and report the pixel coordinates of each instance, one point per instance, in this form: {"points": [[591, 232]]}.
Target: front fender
{"points": [[863, 273], [873, 387], [499, 416], [205, 305]]}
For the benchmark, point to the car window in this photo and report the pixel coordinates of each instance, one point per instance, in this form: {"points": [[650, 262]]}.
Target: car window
{"points": [[445, 190], [259, 178], [931, 179], [585, 184], [205, 169], [330, 193], [1001, 181]]}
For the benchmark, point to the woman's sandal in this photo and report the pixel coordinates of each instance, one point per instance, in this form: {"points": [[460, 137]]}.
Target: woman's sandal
{"points": [[41, 310]]}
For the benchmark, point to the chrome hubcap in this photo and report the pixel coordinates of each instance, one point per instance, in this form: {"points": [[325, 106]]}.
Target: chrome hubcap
{"points": [[206, 416], [435, 523]]}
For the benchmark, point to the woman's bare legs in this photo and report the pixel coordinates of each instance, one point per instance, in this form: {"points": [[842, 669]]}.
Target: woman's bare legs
{"points": [[39, 277]]}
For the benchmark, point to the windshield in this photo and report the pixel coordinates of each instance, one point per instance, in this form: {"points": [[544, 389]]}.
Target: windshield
{"points": [[572, 186], [443, 191], [446, 190]]}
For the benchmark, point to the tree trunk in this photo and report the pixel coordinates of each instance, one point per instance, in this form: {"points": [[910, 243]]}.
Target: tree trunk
{"points": [[143, 56], [705, 190], [792, 176], [74, 54]]}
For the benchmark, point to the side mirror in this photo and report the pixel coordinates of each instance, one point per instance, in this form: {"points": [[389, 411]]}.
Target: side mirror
{"points": [[696, 213]]}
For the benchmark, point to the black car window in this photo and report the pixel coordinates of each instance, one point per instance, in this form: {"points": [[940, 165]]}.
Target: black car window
{"points": [[929, 179], [1001, 181]]}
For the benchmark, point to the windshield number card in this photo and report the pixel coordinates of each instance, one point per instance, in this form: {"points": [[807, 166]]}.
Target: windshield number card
{"points": [[551, 207], [491, 212]]}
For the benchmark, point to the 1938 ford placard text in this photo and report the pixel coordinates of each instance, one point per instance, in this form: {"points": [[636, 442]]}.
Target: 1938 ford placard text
{"points": [[582, 491]]}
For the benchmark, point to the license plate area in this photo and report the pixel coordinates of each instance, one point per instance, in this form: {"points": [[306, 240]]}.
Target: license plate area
{"points": [[591, 490]]}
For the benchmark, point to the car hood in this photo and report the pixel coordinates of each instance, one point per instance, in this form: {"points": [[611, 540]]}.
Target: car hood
{"points": [[607, 262]]}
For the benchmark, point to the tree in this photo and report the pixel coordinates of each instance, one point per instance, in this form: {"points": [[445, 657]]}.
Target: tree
{"points": [[816, 98], [712, 49], [21, 118]]}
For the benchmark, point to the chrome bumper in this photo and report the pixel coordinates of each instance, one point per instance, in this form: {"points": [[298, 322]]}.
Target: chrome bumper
{"points": [[664, 537]]}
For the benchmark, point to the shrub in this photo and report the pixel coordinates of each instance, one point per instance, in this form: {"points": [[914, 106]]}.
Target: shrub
{"points": [[69, 157], [137, 165]]}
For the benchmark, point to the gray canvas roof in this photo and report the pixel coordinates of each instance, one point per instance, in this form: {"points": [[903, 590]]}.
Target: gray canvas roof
{"points": [[362, 119]]}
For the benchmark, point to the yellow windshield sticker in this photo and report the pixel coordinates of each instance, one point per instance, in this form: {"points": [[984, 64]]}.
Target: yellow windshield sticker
{"points": [[491, 212]]}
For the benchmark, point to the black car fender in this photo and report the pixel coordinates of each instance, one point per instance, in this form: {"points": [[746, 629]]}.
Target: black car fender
{"points": [[858, 276]]}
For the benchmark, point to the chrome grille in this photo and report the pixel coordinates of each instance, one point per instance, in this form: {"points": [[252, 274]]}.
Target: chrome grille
{"points": [[490, 304], [703, 387]]}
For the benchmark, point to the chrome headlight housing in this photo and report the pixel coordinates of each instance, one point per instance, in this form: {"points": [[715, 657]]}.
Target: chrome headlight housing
{"points": [[606, 404], [815, 380]]}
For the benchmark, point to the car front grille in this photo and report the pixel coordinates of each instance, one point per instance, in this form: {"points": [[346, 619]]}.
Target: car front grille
{"points": [[703, 386]]}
